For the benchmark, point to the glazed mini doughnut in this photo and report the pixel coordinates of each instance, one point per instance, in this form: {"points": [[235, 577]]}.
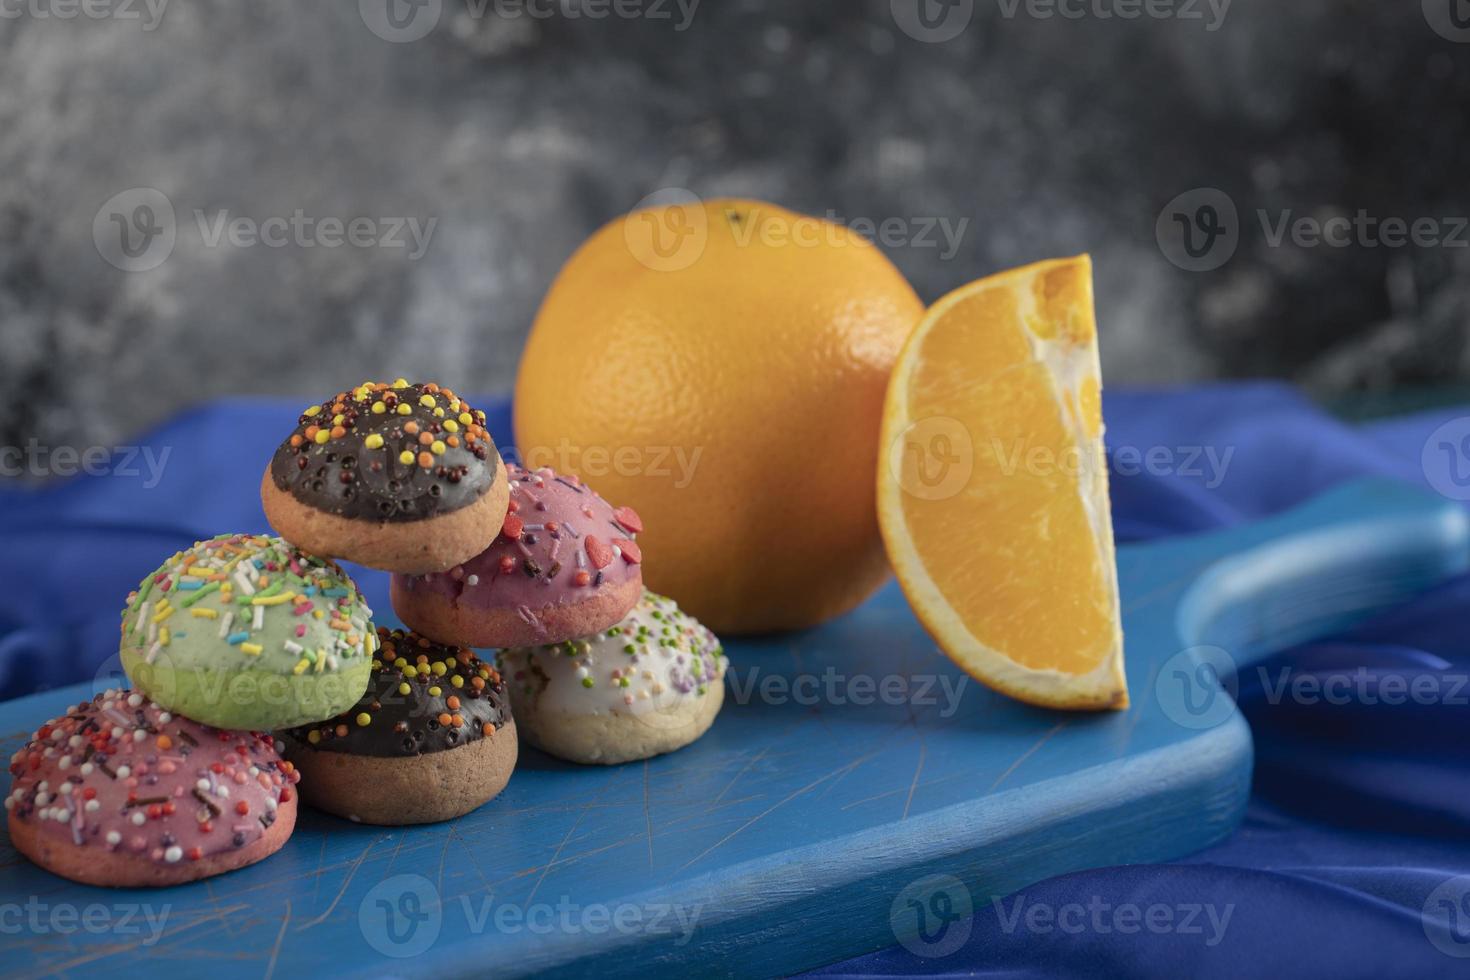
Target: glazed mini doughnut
{"points": [[565, 564], [121, 792], [401, 477], [649, 685], [432, 739], [247, 632]]}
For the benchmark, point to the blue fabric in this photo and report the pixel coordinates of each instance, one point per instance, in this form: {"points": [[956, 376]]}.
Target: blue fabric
{"points": [[1359, 812]]}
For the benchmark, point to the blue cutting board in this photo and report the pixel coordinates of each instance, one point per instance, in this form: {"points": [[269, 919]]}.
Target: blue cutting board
{"points": [[804, 827]]}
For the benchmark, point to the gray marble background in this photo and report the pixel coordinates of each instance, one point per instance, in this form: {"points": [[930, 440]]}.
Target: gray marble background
{"points": [[519, 126]]}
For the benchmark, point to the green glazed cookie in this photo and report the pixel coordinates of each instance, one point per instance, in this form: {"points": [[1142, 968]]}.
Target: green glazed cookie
{"points": [[246, 632]]}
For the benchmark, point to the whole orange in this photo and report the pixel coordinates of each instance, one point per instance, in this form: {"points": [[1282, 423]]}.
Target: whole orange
{"points": [[720, 366]]}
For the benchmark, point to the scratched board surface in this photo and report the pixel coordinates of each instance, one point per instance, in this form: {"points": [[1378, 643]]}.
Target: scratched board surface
{"points": [[850, 765]]}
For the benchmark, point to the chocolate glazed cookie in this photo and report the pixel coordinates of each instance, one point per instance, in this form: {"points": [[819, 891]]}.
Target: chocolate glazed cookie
{"points": [[401, 477], [432, 739]]}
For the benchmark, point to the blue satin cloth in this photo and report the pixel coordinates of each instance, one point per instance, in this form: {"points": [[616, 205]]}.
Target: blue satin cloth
{"points": [[1360, 806]]}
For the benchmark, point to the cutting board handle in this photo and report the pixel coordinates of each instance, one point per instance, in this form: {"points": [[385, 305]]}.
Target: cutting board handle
{"points": [[1357, 550]]}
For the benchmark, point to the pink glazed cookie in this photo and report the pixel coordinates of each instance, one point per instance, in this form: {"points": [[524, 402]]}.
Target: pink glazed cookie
{"points": [[120, 792], [564, 565]]}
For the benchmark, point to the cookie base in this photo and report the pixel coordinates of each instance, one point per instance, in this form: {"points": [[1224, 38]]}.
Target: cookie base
{"points": [[434, 544], [609, 739], [398, 790], [446, 620], [94, 864]]}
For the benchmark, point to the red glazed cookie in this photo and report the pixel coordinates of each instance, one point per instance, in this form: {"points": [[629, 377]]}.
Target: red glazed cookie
{"points": [[120, 792], [401, 477], [565, 564]]}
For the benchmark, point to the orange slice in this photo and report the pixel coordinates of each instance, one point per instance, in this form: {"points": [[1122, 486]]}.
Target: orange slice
{"points": [[993, 490]]}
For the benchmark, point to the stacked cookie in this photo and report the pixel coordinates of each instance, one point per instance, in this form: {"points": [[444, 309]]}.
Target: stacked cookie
{"points": [[401, 477], [121, 791], [404, 478], [242, 635], [173, 780]]}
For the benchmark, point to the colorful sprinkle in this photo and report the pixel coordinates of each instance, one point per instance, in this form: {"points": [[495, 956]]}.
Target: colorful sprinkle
{"points": [[404, 713], [152, 781]]}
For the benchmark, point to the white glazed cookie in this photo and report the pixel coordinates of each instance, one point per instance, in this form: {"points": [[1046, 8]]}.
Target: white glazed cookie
{"points": [[649, 685]]}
